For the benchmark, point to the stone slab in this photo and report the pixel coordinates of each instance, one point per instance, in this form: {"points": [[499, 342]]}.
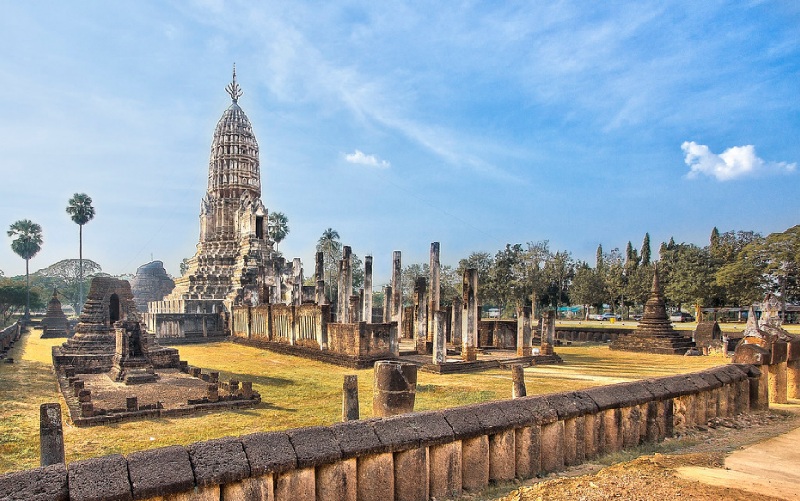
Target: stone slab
{"points": [[269, 452], [219, 461], [99, 479], [160, 472]]}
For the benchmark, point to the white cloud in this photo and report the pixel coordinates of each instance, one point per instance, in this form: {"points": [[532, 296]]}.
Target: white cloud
{"points": [[358, 157], [733, 163]]}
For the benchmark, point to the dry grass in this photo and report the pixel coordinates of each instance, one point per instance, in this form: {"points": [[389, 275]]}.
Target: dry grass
{"points": [[295, 392]]}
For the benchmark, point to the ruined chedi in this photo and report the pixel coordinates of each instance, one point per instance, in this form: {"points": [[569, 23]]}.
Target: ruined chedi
{"points": [[55, 323], [654, 334], [234, 253]]}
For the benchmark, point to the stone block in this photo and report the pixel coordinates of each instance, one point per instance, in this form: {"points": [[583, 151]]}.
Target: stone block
{"points": [[411, 475], [564, 404], [502, 456], [492, 418], [295, 485], [375, 477], [574, 441], [638, 392], [612, 430], [475, 463], [538, 409], [160, 472], [592, 435], [779, 352], [99, 479], [218, 461], [431, 427], [609, 397], [516, 413], [336, 481], [47, 483], [314, 446], [464, 422], [445, 470], [269, 452], [260, 488], [357, 438], [778, 383], [631, 419], [527, 453], [552, 455]]}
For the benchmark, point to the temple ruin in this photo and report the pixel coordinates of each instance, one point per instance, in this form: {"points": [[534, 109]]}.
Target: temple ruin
{"points": [[55, 323], [151, 283]]}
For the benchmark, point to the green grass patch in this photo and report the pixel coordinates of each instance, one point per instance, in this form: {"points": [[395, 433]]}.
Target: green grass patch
{"points": [[295, 392]]}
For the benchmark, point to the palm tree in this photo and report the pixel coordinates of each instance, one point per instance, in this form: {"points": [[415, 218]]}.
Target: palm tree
{"points": [[28, 243], [278, 227], [81, 211], [330, 247]]}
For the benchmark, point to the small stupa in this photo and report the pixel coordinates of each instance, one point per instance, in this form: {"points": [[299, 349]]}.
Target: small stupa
{"points": [[55, 323], [654, 334]]}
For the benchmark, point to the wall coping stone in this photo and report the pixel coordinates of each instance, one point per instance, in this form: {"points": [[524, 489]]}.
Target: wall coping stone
{"points": [[409, 431], [433, 428], [219, 461], [269, 452], [713, 381], [723, 376], [564, 405], [658, 389], [314, 445], [160, 472], [639, 392], [357, 438], [680, 385], [610, 397], [699, 381], [492, 418], [99, 479], [46, 483], [584, 402], [464, 422], [517, 413], [539, 410]]}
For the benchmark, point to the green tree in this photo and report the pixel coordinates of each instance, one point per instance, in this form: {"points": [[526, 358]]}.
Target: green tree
{"points": [[278, 227], [587, 288], [646, 252], [69, 276], [15, 297], [81, 212], [689, 275], [184, 266], [331, 249], [27, 243], [482, 262]]}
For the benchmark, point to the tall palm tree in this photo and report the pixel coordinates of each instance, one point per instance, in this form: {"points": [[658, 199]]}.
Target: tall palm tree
{"points": [[81, 211], [278, 227], [330, 246], [28, 243]]}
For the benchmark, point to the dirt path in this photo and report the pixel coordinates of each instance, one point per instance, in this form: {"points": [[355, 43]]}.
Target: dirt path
{"points": [[752, 458]]}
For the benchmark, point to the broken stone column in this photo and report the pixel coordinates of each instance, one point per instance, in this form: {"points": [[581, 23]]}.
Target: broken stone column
{"points": [[548, 332], [434, 297], [51, 434], [354, 313], [524, 348], [397, 290], [469, 350], [345, 286], [297, 287], [394, 389], [366, 316], [793, 379], [439, 340], [518, 381], [350, 398], [319, 278], [387, 304], [455, 321], [421, 323], [131, 404]]}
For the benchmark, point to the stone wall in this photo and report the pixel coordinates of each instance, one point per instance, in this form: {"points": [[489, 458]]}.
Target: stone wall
{"points": [[596, 334], [415, 456], [361, 339], [8, 337]]}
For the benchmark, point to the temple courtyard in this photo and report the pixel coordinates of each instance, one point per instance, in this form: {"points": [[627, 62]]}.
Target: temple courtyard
{"points": [[295, 392]]}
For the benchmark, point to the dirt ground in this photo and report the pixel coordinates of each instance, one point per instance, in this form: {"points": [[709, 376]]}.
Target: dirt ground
{"points": [[656, 477]]}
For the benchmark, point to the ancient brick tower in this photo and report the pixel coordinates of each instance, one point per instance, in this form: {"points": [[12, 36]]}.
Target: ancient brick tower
{"points": [[229, 265]]}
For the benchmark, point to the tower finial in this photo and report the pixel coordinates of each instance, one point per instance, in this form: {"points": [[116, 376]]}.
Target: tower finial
{"points": [[233, 88]]}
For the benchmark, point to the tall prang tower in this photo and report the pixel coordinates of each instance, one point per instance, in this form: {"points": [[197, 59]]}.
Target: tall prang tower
{"points": [[234, 254]]}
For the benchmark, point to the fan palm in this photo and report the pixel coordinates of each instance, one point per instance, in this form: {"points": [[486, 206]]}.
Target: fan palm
{"points": [[81, 212], [278, 227], [26, 244]]}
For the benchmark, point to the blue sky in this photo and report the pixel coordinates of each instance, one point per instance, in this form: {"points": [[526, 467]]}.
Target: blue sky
{"points": [[474, 124]]}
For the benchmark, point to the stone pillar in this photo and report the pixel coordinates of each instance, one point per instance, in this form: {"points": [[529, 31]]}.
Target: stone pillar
{"points": [[518, 381], [347, 260], [297, 276], [394, 389], [433, 299], [397, 290], [387, 304], [793, 379], [778, 383], [470, 319], [524, 348], [548, 332], [366, 316], [350, 398], [51, 434], [439, 340], [131, 404], [420, 324], [455, 322], [319, 277]]}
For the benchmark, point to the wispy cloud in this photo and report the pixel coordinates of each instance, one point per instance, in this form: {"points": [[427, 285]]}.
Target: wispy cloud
{"points": [[734, 163], [358, 157]]}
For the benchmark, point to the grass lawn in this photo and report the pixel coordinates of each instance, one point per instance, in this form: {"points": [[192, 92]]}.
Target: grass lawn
{"points": [[295, 392]]}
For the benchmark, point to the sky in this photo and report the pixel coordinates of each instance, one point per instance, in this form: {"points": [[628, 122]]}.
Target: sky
{"points": [[474, 124]]}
